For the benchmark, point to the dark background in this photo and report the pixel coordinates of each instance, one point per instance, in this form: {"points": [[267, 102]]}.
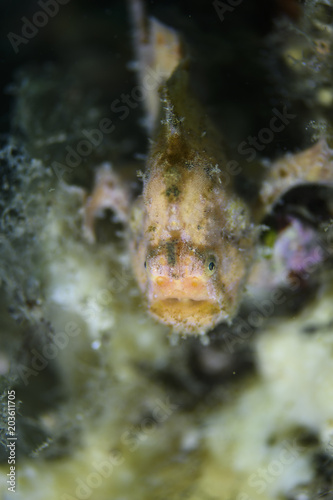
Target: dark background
{"points": [[231, 59]]}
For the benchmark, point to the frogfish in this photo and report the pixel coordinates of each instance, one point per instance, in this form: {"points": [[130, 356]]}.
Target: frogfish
{"points": [[191, 237]]}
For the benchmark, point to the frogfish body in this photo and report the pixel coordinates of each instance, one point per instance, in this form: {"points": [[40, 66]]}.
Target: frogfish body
{"points": [[192, 237]]}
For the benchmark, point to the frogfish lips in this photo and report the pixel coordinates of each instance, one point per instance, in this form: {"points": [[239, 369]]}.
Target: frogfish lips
{"points": [[187, 305]]}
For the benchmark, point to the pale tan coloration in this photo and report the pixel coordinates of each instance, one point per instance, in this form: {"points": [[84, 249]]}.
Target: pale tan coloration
{"points": [[314, 165], [158, 51], [192, 238], [108, 192]]}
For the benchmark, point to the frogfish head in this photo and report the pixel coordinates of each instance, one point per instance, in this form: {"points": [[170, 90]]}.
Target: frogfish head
{"points": [[183, 287]]}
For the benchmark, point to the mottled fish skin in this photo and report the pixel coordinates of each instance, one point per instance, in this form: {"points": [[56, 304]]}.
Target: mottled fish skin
{"points": [[192, 237]]}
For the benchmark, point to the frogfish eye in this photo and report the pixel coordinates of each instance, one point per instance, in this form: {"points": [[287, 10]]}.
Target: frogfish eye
{"points": [[211, 266], [145, 264]]}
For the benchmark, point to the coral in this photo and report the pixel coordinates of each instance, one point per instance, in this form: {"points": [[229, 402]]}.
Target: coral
{"points": [[111, 408]]}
